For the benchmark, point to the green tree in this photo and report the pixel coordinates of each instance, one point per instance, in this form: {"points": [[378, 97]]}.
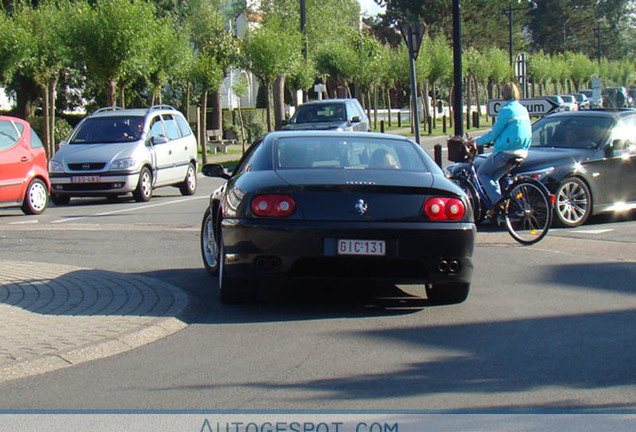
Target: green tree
{"points": [[111, 38], [14, 43], [269, 53], [582, 69], [48, 56]]}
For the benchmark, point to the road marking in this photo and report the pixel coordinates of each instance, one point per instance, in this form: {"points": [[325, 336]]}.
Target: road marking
{"points": [[24, 222], [596, 231], [73, 219]]}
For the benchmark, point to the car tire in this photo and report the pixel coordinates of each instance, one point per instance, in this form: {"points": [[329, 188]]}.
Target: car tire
{"points": [[447, 293], [36, 197], [60, 199], [232, 290], [573, 205], [189, 185], [143, 192], [209, 244]]}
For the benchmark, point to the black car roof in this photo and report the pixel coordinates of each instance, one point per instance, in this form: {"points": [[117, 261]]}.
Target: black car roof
{"points": [[617, 113]]}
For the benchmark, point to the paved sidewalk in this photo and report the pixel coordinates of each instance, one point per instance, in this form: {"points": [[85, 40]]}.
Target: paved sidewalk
{"points": [[54, 316]]}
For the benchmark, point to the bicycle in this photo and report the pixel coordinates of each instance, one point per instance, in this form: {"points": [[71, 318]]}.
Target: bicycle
{"points": [[525, 206]]}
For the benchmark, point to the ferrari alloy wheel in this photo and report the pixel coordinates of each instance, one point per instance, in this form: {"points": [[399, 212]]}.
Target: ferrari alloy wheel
{"points": [[35, 198], [209, 244], [573, 202], [447, 293]]}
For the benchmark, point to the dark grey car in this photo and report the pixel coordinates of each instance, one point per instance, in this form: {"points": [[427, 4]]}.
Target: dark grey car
{"points": [[330, 114]]}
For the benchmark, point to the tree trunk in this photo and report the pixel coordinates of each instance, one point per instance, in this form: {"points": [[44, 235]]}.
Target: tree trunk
{"points": [[425, 102], [111, 93], [268, 105], [468, 102], [203, 127], [477, 100], [388, 104], [46, 138], [279, 101], [186, 108], [27, 94], [122, 96], [375, 107], [52, 97]]}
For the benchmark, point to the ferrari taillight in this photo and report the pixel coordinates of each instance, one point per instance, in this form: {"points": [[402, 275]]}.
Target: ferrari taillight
{"points": [[444, 208], [273, 205]]}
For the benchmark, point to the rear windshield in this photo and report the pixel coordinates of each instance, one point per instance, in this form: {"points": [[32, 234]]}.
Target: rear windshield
{"points": [[109, 130], [320, 113], [347, 153], [571, 132]]}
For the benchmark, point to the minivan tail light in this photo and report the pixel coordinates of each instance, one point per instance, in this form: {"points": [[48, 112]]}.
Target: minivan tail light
{"points": [[438, 208], [273, 205]]}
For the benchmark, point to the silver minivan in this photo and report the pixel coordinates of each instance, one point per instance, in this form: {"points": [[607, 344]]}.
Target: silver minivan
{"points": [[330, 114], [117, 151]]}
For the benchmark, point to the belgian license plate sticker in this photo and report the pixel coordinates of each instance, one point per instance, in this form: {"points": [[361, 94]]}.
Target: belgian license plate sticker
{"points": [[362, 247], [86, 179]]}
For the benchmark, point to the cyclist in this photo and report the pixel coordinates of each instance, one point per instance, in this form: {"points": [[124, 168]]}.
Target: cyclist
{"points": [[512, 135]]}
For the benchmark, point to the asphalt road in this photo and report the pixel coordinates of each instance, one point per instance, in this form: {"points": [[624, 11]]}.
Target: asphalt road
{"points": [[545, 327]]}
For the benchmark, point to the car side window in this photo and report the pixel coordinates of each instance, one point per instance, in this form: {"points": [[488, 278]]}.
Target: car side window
{"points": [[183, 126], [35, 140], [8, 135], [356, 111], [156, 128], [172, 129]]}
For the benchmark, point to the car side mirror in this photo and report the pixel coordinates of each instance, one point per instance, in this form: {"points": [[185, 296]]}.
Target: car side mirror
{"points": [[158, 139], [214, 170], [356, 119]]}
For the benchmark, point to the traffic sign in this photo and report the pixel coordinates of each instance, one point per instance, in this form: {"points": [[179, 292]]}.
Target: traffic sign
{"points": [[537, 107], [413, 35]]}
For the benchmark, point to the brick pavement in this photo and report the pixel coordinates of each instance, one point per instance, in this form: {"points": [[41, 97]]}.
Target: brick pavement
{"points": [[56, 316]]}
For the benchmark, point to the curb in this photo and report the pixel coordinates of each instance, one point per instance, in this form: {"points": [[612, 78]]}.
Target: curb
{"points": [[58, 316]]}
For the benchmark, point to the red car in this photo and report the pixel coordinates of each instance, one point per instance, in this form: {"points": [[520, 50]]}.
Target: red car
{"points": [[24, 177]]}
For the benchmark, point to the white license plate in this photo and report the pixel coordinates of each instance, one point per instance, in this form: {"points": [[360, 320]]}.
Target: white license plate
{"points": [[362, 247], [86, 179]]}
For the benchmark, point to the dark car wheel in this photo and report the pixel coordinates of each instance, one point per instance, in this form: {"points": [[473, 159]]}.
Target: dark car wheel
{"points": [[36, 197], [447, 293], [143, 192], [209, 244], [573, 204], [189, 185], [233, 290], [60, 199]]}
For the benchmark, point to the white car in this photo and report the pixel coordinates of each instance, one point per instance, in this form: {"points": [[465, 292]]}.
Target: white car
{"points": [[117, 151], [569, 103]]}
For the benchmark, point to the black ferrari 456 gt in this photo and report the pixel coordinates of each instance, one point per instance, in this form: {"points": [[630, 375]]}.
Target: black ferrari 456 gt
{"points": [[323, 205]]}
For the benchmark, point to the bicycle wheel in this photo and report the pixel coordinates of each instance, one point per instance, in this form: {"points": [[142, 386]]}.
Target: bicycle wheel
{"points": [[528, 211]]}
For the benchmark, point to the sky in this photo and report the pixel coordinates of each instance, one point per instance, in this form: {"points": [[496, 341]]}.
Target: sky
{"points": [[369, 7]]}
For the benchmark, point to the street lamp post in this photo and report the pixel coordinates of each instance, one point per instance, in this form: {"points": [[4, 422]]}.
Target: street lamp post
{"points": [[458, 102], [508, 13]]}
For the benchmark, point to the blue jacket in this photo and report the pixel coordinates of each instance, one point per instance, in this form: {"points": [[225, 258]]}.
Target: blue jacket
{"points": [[511, 131]]}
